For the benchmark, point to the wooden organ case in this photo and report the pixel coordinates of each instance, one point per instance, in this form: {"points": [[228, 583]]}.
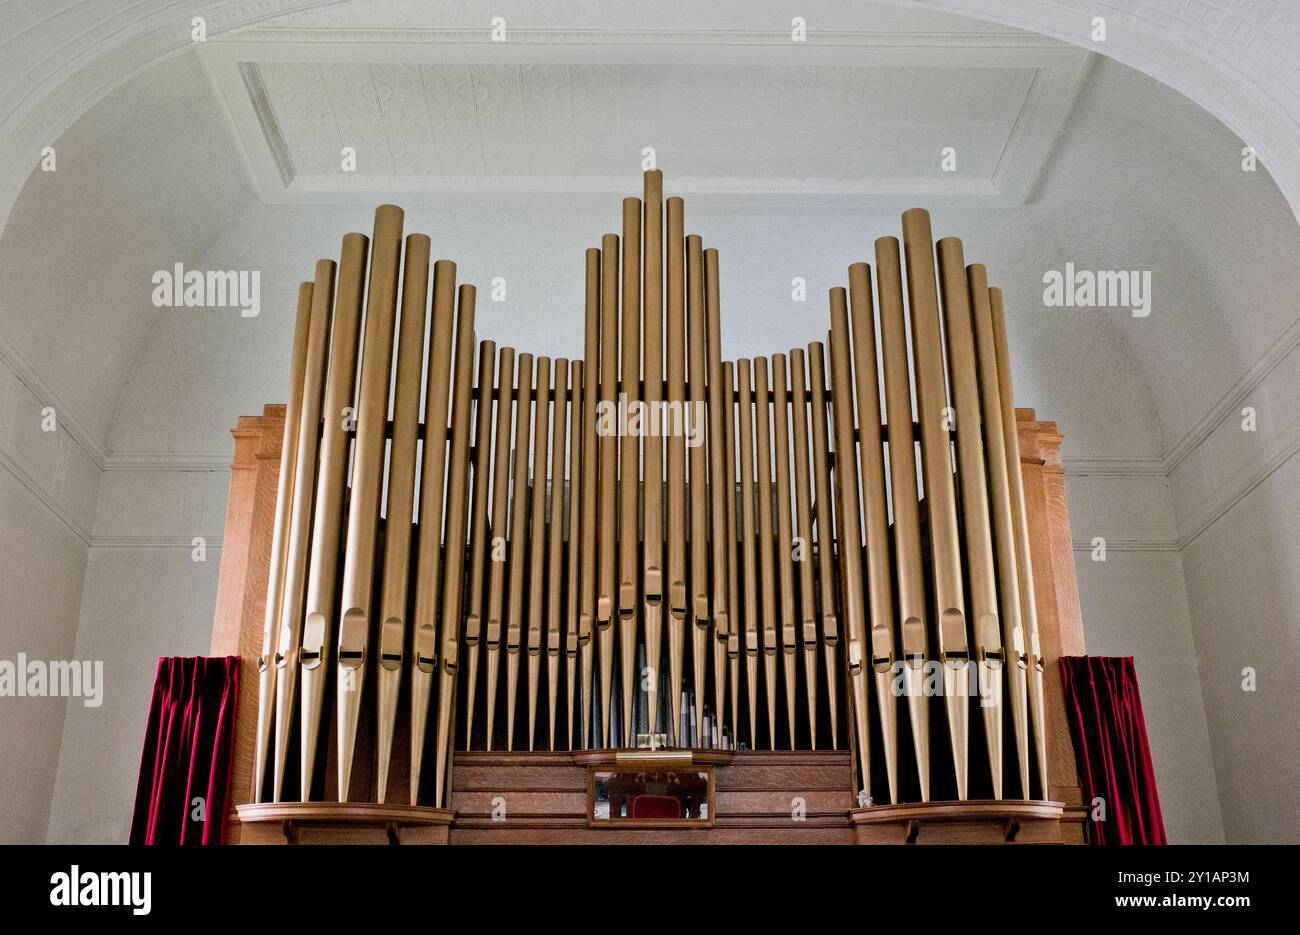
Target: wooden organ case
{"points": [[471, 587]]}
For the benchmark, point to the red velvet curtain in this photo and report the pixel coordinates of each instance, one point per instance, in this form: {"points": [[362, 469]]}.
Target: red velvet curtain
{"points": [[1110, 745], [187, 752]]}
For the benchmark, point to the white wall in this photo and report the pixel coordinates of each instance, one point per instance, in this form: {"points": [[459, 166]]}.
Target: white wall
{"points": [[47, 496], [139, 603]]}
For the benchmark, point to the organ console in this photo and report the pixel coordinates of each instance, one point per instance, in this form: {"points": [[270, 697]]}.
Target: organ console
{"points": [[827, 568]]}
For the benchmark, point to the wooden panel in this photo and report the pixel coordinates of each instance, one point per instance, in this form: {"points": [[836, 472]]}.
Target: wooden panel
{"points": [[245, 568]]}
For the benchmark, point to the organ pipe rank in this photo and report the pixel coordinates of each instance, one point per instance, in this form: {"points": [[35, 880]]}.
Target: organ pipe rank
{"points": [[650, 545]]}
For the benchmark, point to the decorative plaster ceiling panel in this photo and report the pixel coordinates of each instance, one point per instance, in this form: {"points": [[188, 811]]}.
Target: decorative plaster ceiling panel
{"points": [[738, 121]]}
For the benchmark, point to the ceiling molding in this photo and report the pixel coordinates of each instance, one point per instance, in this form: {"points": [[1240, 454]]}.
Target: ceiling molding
{"points": [[1235, 396], [169, 461], [49, 501], [68, 421], [1115, 467], [518, 36]]}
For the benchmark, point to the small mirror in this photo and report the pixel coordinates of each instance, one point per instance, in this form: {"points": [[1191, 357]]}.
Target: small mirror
{"points": [[652, 797]]}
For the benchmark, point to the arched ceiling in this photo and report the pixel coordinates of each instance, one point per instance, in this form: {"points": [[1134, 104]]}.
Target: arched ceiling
{"points": [[1140, 178]]}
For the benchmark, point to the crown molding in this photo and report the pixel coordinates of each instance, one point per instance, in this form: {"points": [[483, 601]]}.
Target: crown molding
{"points": [[519, 35], [168, 461], [1115, 467], [1235, 396], [68, 421], [48, 500]]}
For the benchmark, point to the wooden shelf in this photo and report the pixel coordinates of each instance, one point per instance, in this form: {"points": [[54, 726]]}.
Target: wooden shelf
{"points": [[340, 823], [971, 822]]}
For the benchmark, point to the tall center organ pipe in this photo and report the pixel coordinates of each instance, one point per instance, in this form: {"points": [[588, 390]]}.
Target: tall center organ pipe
{"points": [[653, 463]]}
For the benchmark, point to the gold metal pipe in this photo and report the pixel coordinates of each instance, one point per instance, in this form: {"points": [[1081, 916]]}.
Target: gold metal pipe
{"points": [[433, 472], [850, 528], [981, 580], [653, 346], [824, 521], [935, 417], [394, 622], [733, 588], [871, 458], [912, 610], [785, 534], [807, 615], [500, 524], [457, 508], [537, 560], [1024, 561], [574, 593], [745, 405], [318, 626], [361, 548], [697, 489], [275, 589], [608, 476], [677, 510], [590, 399], [300, 520], [766, 565], [718, 485], [479, 544], [1004, 540], [555, 543], [629, 449], [518, 541]]}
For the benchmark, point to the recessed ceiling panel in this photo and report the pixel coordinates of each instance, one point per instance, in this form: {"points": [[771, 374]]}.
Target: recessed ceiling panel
{"points": [[852, 122]]}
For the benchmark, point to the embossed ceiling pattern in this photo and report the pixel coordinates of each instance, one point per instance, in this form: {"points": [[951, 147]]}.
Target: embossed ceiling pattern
{"points": [[753, 122]]}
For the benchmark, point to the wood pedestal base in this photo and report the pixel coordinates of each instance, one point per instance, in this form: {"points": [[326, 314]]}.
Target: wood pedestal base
{"points": [[338, 823], [981, 822]]}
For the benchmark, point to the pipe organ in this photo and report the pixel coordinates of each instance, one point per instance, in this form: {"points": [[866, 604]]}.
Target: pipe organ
{"points": [[650, 546]]}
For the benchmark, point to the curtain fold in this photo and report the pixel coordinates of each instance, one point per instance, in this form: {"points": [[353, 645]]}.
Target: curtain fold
{"points": [[1110, 743], [184, 784]]}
